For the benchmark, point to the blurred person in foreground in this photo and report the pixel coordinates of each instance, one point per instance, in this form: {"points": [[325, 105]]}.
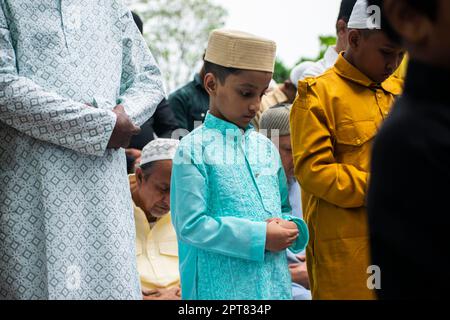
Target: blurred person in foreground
{"points": [[411, 158]]}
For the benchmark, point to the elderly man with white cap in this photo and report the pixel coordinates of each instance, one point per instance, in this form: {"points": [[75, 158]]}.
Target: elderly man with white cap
{"points": [[156, 242]]}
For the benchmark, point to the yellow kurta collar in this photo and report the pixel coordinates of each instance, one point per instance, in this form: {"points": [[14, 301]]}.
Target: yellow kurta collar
{"points": [[346, 70]]}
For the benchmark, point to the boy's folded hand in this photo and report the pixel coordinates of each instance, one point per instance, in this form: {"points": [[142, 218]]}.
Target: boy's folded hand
{"points": [[284, 223], [280, 235], [289, 225]]}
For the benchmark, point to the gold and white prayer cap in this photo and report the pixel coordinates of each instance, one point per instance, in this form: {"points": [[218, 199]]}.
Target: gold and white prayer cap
{"points": [[241, 50]]}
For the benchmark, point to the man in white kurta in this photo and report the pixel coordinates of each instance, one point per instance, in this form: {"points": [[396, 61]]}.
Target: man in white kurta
{"points": [[66, 219]]}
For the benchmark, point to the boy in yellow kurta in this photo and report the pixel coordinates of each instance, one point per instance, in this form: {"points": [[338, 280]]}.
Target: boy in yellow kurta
{"points": [[333, 123]]}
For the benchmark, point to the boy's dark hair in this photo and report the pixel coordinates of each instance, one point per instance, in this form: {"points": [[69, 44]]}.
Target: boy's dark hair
{"points": [[345, 10], [219, 72], [138, 22], [428, 7]]}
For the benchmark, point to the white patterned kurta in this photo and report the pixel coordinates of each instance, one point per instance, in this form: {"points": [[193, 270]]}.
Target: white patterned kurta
{"points": [[66, 219]]}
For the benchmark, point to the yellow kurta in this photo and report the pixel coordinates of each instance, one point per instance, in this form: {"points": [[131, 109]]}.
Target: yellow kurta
{"points": [[333, 123], [156, 250]]}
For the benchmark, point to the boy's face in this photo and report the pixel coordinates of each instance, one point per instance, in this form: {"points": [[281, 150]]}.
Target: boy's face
{"points": [[375, 54], [238, 99]]}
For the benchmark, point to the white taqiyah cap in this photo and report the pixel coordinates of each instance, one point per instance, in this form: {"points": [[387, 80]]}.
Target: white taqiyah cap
{"points": [[159, 149]]}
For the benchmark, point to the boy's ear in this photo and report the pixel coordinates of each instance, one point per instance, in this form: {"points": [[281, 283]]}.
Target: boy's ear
{"points": [[354, 39], [210, 83], [412, 26]]}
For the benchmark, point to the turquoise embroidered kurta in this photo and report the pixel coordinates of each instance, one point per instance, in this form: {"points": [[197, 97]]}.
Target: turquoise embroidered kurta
{"points": [[225, 184], [66, 218]]}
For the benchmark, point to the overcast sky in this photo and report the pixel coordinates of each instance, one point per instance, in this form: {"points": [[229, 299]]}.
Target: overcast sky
{"points": [[294, 24]]}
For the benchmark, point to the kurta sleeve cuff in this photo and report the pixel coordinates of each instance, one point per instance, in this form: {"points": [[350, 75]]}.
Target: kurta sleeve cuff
{"points": [[258, 245], [303, 237], [108, 128]]}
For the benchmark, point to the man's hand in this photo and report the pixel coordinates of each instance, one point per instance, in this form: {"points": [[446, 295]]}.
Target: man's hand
{"points": [[123, 131], [299, 274], [162, 294], [136, 155], [279, 238]]}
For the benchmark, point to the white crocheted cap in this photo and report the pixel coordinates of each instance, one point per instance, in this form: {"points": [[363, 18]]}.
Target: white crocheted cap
{"points": [[159, 149]]}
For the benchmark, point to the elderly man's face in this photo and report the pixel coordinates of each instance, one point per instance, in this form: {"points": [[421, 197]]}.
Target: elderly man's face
{"points": [[154, 188]]}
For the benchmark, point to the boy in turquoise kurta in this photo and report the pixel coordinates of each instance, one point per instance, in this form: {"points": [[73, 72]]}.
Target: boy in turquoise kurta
{"points": [[229, 196]]}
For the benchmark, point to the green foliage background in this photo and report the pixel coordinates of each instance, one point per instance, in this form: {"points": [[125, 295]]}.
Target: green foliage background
{"points": [[177, 32]]}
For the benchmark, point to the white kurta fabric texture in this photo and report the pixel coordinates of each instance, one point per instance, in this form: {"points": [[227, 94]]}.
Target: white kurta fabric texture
{"points": [[66, 219]]}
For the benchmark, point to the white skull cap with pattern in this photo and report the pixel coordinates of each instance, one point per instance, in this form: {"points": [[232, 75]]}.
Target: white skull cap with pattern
{"points": [[361, 17], [159, 149]]}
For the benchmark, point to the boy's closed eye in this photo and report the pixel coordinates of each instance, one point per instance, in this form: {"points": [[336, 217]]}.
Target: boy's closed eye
{"points": [[247, 94], [163, 188], [387, 52]]}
